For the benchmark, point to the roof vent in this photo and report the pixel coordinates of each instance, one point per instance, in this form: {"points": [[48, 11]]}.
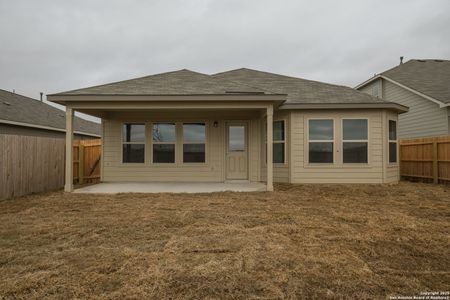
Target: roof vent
{"points": [[438, 60], [401, 59], [421, 60], [6, 103]]}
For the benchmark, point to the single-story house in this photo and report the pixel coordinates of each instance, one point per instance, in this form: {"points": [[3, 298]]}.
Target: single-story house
{"points": [[238, 125], [21, 115], [424, 86]]}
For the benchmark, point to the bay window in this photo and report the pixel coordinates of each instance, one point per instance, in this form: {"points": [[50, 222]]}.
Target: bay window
{"points": [[355, 140], [392, 141], [321, 140], [278, 142]]}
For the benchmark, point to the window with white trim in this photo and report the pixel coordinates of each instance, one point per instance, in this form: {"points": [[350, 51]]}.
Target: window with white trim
{"points": [[163, 140], [133, 143], [392, 141], [321, 140], [194, 142], [355, 141], [278, 142]]}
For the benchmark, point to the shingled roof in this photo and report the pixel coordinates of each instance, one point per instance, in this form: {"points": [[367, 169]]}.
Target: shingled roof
{"points": [[25, 110], [182, 82], [298, 90], [427, 76]]}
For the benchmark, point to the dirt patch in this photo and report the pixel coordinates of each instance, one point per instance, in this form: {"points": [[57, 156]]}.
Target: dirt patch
{"points": [[301, 241]]}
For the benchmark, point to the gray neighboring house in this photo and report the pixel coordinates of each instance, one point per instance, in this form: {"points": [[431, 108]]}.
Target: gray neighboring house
{"points": [[424, 86], [22, 115]]}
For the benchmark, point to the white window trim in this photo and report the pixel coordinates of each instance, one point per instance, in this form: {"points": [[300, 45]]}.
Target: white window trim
{"points": [[152, 142], [392, 164], [355, 141], [133, 143], [320, 141], [184, 142], [264, 131]]}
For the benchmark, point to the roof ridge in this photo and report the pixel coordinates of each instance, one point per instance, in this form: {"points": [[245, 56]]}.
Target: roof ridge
{"points": [[20, 95], [397, 66], [430, 59], [126, 80], [286, 76], [412, 60]]}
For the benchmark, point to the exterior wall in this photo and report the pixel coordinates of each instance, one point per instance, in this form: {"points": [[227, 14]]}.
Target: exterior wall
{"points": [[376, 171], [375, 88], [211, 171], [281, 172], [30, 131], [424, 118]]}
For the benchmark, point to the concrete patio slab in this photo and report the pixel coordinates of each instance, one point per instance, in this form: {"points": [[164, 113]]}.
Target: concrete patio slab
{"points": [[171, 187]]}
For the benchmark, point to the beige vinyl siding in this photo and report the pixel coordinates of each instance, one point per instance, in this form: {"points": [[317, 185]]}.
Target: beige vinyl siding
{"points": [[296, 168], [211, 171], [303, 172], [281, 172], [424, 118]]}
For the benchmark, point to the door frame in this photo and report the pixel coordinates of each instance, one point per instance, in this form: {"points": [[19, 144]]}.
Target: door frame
{"points": [[246, 123]]}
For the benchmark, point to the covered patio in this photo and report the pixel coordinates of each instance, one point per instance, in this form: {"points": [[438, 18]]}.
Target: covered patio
{"points": [[175, 128], [149, 177]]}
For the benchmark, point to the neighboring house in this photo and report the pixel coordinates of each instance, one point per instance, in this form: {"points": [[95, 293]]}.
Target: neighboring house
{"points": [[188, 126], [21, 115], [424, 86]]}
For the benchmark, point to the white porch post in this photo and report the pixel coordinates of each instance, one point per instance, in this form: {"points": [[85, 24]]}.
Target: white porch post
{"points": [[269, 131], [68, 186]]}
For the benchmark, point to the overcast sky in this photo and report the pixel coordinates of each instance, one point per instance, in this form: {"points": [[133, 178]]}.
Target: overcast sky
{"points": [[52, 46]]}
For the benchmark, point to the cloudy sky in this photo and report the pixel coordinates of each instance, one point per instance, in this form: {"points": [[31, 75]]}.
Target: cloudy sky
{"points": [[52, 46]]}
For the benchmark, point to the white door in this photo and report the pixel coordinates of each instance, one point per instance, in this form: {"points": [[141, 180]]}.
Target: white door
{"points": [[236, 154]]}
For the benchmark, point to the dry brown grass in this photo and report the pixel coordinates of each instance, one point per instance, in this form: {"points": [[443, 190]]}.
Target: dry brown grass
{"points": [[302, 241]]}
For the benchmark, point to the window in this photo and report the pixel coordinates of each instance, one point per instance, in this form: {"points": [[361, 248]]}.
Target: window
{"points": [[392, 141], [133, 143], [194, 142], [321, 141], [164, 138], [236, 138], [278, 142], [355, 140]]}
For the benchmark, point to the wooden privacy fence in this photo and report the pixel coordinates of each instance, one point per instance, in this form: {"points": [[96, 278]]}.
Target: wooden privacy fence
{"points": [[30, 164], [86, 161], [427, 159]]}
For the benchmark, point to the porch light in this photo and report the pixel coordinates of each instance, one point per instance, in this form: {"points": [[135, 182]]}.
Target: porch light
{"points": [[216, 124]]}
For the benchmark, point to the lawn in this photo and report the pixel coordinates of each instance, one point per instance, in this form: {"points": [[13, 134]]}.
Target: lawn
{"points": [[301, 241]]}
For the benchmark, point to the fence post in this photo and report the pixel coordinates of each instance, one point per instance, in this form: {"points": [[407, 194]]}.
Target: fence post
{"points": [[435, 163], [80, 164]]}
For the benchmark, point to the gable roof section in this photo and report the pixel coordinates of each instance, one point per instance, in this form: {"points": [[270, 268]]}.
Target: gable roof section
{"points": [[429, 78], [292, 92], [24, 111], [299, 91], [182, 82]]}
